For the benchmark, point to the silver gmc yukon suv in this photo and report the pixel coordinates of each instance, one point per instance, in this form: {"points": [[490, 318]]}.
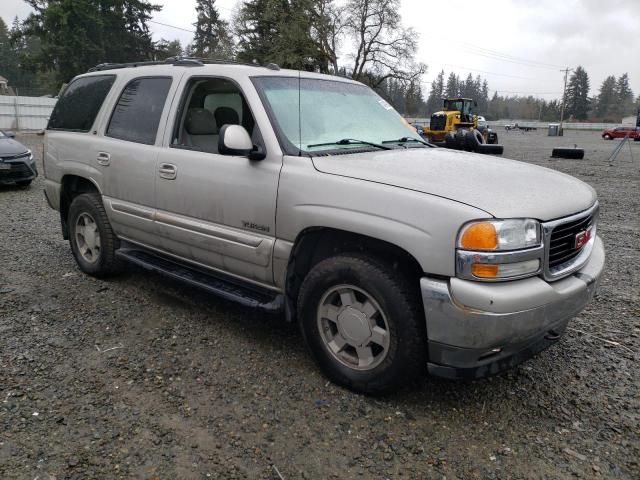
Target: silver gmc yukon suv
{"points": [[308, 194]]}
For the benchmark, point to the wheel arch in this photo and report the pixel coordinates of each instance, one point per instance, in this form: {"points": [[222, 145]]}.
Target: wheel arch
{"points": [[314, 244], [70, 187]]}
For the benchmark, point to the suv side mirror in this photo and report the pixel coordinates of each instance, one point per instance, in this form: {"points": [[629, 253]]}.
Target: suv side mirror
{"points": [[235, 140]]}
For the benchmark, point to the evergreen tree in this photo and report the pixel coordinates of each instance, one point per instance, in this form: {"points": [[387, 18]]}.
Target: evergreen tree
{"points": [[434, 102], [577, 100], [213, 37], [624, 97], [76, 35], [453, 86], [468, 88], [17, 52], [8, 61], [166, 49], [606, 99], [282, 32], [483, 101]]}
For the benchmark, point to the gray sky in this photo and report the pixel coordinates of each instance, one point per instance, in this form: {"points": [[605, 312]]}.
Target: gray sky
{"points": [[519, 46]]}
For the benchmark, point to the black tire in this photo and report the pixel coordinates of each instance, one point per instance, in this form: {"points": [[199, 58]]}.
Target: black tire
{"points": [[489, 149], [450, 141], [571, 153], [406, 354], [474, 140], [106, 262], [24, 183], [462, 135]]}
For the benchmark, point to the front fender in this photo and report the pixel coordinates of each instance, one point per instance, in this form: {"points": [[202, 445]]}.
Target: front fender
{"points": [[423, 225]]}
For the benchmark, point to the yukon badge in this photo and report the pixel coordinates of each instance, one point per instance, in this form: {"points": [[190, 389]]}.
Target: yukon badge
{"points": [[255, 226]]}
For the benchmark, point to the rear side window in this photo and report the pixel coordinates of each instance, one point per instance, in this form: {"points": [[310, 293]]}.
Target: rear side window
{"points": [[136, 116], [80, 103]]}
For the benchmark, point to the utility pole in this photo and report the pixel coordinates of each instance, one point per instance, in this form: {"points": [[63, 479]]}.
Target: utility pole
{"points": [[564, 96]]}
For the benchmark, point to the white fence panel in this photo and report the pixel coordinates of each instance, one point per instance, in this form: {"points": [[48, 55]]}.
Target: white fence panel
{"points": [[25, 113]]}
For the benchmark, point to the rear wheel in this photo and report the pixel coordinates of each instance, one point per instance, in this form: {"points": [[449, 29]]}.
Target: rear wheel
{"points": [[607, 136], [362, 322], [92, 240]]}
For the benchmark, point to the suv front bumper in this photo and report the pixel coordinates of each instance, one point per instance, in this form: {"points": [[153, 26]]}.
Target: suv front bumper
{"points": [[478, 329]]}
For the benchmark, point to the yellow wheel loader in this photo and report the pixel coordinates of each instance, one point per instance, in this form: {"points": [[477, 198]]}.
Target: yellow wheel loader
{"points": [[456, 127]]}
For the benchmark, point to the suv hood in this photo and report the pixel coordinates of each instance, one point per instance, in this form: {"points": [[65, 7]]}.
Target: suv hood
{"points": [[503, 188]]}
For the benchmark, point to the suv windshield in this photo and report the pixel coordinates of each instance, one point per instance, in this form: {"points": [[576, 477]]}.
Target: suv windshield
{"points": [[315, 115]]}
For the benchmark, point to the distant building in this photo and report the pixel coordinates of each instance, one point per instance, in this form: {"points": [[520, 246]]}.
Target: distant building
{"points": [[5, 89], [630, 120]]}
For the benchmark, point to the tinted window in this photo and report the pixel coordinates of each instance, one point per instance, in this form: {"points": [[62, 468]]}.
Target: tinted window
{"points": [[210, 103], [137, 113], [80, 103]]}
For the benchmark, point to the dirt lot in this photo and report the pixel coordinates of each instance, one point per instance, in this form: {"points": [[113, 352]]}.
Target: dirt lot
{"points": [[140, 377]]}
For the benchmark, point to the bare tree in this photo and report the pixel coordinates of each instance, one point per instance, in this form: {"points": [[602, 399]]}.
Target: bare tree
{"points": [[330, 25], [383, 47]]}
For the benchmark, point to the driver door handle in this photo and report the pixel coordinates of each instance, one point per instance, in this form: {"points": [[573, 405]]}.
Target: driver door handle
{"points": [[168, 171]]}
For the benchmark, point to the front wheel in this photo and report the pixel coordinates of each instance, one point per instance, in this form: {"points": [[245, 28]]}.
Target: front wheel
{"points": [[363, 323], [607, 137], [92, 240]]}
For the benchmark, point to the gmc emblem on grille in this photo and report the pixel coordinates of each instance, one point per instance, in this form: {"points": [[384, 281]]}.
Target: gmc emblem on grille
{"points": [[582, 238]]}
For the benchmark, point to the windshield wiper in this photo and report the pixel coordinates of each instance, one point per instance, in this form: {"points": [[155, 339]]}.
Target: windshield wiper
{"points": [[350, 141], [407, 140]]}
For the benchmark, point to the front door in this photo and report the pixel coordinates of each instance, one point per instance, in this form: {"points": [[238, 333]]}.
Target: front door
{"points": [[216, 210]]}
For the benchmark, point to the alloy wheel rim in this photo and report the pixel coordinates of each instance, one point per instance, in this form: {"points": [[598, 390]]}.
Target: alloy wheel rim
{"points": [[353, 327], [87, 238]]}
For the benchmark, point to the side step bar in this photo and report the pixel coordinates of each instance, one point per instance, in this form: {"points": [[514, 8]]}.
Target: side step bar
{"points": [[226, 288]]}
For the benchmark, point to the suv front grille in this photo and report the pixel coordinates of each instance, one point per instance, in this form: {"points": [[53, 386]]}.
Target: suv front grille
{"points": [[562, 241], [563, 256]]}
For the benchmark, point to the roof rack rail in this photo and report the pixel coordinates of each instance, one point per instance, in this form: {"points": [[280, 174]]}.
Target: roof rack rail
{"points": [[168, 61], [179, 61]]}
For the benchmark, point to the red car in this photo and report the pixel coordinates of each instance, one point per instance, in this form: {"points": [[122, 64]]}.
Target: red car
{"points": [[621, 132]]}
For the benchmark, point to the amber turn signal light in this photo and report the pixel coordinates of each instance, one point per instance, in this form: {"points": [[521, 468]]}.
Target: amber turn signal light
{"points": [[483, 270], [479, 236]]}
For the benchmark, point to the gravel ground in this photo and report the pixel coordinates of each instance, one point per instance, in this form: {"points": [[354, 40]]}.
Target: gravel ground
{"points": [[140, 377]]}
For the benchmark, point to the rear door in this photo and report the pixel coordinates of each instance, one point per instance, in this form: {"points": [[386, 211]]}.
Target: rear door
{"points": [[127, 154]]}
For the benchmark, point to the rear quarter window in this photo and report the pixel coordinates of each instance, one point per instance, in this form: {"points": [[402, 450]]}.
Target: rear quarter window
{"points": [[136, 116], [77, 108]]}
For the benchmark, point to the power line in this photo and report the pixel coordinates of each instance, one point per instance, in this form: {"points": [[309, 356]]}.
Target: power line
{"points": [[172, 26], [487, 72], [486, 52], [528, 93], [496, 55]]}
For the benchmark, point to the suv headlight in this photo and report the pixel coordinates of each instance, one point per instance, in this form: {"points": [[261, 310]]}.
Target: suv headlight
{"points": [[499, 249], [500, 234]]}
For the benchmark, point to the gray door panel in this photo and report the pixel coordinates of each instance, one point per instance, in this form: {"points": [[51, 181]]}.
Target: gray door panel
{"points": [[219, 211], [131, 221]]}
